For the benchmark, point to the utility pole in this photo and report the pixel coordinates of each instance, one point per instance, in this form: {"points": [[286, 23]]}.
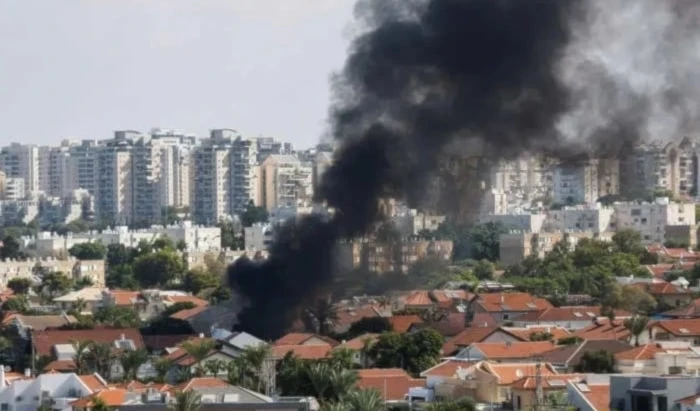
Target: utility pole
{"points": [[539, 391]]}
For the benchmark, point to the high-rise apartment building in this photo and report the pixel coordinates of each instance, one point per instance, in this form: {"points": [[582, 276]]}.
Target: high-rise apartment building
{"points": [[286, 182], [585, 183], [523, 180], [114, 181], [21, 161], [268, 146]]}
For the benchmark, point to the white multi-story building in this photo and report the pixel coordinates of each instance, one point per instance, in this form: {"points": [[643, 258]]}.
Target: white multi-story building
{"points": [[268, 146], [286, 182], [114, 188], [14, 189], [585, 183], [83, 167], [259, 236], [596, 219], [651, 219], [53, 390], [523, 180], [531, 223], [21, 161], [211, 195], [245, 174]]}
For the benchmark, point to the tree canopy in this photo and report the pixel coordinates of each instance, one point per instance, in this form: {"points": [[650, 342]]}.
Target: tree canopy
{"points": [[88, 251]]}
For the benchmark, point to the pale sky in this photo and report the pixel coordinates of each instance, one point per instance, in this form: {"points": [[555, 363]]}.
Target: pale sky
{"points": [[84, 68]]}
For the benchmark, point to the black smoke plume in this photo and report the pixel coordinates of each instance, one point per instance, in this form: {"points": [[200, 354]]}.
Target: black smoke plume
{"points": [[493, 78]]}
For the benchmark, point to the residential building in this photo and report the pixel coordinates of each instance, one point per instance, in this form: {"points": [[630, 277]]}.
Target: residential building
{"points": [[595, 218], [32, 269], [506, 352], [114, 190], [531, 223], [503, 307], [673, 330], [492, 382], [585, 183], [568, 317], [286, 182], [651, 219], [259, 236], [3, 184], [394, 385], [567, 358], [554, 388], [384, 257], [647, 393], [14, 189], [521, 182], [604, 329], [661, 358], [590, 394], [245, 174], [268, 146], [516, 246], [55, 390], [83, 165], [21, 161]]}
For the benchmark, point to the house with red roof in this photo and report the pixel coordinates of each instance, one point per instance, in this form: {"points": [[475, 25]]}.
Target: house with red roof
{"points": [[305, 346], [667, 294], [661, 358], [403, 323], [524, 391], [592, 393], [687, 330], [689, 311], [506, 307], [393, 384], [509, 352], [465, 338], [568, 317], [447, 379], [604, 329], [360, 345], [492, 382]]}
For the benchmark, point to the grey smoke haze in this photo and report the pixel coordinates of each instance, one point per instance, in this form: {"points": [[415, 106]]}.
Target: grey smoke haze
{"points": [[634, 69], [83, 68]]}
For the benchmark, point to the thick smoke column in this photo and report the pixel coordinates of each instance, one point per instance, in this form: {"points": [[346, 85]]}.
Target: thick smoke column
{"points": [[495, 77]]}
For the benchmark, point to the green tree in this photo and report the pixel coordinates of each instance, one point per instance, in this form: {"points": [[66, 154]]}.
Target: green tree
{"points": [[199, 279], [80, 358], [464, 404], [421, 350], [484, 270], [158, 269], [322, 316], [597, 362], [636, 300], [131, 361], [215, 367], [178, 306], [10, 248], [485, 240], [199, 350], [187, 401], [164, 243], [121, 277], [387, 351], [320, 377], [118, 317], [56, 283], [88, 251], [118, 254], [100, 358], [18, 303], [19, 285], [636, 326], [342, 358], [82, 282], [231, 238], [363, 400], [342, 382], [368, 325], [428, 272], [162, 366], [253, 214], [628, 241], [98, 404]]}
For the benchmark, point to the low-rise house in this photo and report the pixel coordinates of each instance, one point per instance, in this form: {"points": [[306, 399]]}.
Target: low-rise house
{"points": [[88, 300], [659, 271], [348, 314], [32, 269], [569, 317], [566, 359], [590, 394], [304, 352], [528, 333], [360, 346], [394, 384], [57, 391], [673, 255], [554, 390], [202, 319], [403, 323], [691, 310], [492, 382], [186, 364], [506, 307], [447, 379], [667, 294], [673, 330], [640, 393], [451, 298], [305, 339], [604, 329], [26, 323], [664, 358], [509, 352], [418, 299], [465, 338], [235, 343]]}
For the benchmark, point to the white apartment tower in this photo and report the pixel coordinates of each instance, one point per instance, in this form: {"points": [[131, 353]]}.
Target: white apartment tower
{"points": [[21, 161], [244, 174], [585, 183], [286, 182], [114, 182]]}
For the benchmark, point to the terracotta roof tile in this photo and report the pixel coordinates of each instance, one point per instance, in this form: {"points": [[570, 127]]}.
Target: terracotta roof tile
{"points": [[198, 302], [382, 372], [189, 313], [483, 320], [446, 369], [402, 323], [570, 355], [125, 297], [451, 295], [204, 382], [45, 340], [305, 352], [350, 315], [525, 333], [393, 385], [498, 302], [602, 329], [94, 382], [418, 298], [680, 327], [691, 310], [549, 382], [112, 397], [467, 337], [60, 365], [451, 325], [598, 396], [516, 350], [508, 373], [568, 313], [662, 288], [358, 342], [302, 338]]}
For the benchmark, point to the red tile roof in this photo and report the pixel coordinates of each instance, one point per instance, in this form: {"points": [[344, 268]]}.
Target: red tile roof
{"points": [[198, 302], [680, 327], [402, 323], [189, 313], [483, 320], [124, 297], [660, 270], [508, 373], [393, 385], [467, 337], [602, 329], [568, 313], [498, 302], [112, 398], [598, 396], [358, 343], [304, 338], [45, 340], [61, 365], [204, 382], [94, 382], [644, 352], [516, 350], [350, 315], [525, 333], [418, 298], [451, 325], [451, 295], [446, 369], [662, 288], [691, 310], [304, 352], [549, 382]]}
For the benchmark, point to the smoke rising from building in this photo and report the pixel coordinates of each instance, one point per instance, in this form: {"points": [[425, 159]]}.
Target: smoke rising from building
{"points": [[495, 78]]}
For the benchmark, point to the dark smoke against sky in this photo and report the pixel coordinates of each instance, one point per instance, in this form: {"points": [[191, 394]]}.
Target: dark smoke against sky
{"points": [[506, 76]]}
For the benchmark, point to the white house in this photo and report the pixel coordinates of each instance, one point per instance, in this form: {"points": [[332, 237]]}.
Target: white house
{"points": [[59, 390]]}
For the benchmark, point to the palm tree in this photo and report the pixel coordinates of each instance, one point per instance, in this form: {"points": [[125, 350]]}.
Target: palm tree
{"points": [[131, 361], [464, 404], [100, 358], [342, 382], [319, 374], [82, 349], [233, 372], [162, 366], [251, 364], [364, 351], [363, 400], [98, 404], [199, 351], [187, 401], [215, 367], [636, 326], [335, 406], [343, 358], [323, 315]]}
